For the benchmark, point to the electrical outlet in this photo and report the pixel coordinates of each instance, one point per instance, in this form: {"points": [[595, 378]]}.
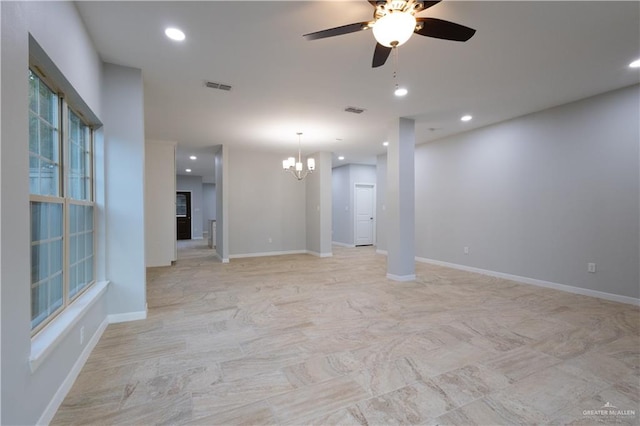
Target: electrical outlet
{"points": [[591, 267], [82, 334], [466, 250], [270, 240]]}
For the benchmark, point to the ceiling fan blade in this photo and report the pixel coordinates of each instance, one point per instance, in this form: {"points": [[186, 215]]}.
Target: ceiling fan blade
{"points": [[380, 55], [437, 28], [332, 32]]}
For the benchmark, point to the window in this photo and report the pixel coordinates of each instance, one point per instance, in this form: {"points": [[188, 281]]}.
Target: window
{"points": [[46, 260], [62, 207], [44, 141], [80, 181], [181, 204]]}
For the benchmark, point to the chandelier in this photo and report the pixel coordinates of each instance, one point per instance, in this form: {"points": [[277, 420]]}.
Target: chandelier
{"points": [[295, 167]]}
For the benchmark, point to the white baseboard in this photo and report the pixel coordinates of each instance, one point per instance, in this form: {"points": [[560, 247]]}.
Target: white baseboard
{"points": [[222, 260], [66, 385], [384, 252], [536, 282], [127, 316], [266, 253], [198, 238], [279, 253], [401, 278], [315, 253], [159, 264], [343, 244]]}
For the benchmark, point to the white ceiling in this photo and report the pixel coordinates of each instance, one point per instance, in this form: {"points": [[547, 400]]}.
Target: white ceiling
{"points": [[526, 56], [204, 164]]}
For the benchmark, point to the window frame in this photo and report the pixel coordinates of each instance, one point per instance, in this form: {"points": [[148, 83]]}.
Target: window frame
{"points": [[34, 198], [90, 153], [59, 102], [64, 142]]}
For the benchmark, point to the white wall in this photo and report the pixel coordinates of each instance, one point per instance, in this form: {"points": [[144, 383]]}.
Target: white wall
{"points": [[341, 210], [264, 203], [57, 27], [193, 184], [222, 202], [539, 196], [160, 202], [381, 203], [318, 206], [208, 203], [124, 168], [344, 179]]}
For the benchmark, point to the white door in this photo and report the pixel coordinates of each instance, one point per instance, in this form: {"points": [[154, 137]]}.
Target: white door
{"points": [[365, 207]]}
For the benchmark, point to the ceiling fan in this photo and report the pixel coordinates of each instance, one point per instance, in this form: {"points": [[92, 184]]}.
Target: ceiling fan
{"points": [[394, 22]]}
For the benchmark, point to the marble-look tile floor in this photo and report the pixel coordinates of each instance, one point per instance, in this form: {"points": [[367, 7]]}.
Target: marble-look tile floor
{"points": [[297, 340]]}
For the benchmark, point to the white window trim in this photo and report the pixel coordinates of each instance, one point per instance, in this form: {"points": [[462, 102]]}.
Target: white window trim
{"points": [[43, 343], [62, 197]]}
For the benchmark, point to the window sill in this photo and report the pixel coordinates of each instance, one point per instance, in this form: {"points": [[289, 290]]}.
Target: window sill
{"points": [[46, 340]]}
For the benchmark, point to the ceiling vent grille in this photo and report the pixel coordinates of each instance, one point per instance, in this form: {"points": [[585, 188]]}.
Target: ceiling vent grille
{"points": [[354, 110], [219, 86]]}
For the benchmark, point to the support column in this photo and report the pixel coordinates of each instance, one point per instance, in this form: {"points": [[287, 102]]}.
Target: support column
{"points": [[318, 193], [401, 201]]}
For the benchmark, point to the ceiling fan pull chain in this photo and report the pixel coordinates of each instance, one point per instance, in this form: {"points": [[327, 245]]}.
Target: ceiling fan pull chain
{"points": [[395, 66]]}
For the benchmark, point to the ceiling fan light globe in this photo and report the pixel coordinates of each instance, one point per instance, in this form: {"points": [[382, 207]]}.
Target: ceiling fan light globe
{"points": [[394, 28]]}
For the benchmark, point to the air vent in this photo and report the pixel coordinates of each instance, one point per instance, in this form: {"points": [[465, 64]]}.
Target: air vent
{"points": [[220, 86], [354, 110]]}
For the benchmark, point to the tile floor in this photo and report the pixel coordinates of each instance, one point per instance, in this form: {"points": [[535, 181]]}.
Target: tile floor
{"points": [[296, 340]]}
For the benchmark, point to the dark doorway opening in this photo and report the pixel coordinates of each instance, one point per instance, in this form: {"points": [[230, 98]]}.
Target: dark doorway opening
{"points": [[183, 215]]}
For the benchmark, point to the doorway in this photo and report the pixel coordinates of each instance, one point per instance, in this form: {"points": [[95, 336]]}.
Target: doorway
{"points": [[365, 205], [183, 215]]}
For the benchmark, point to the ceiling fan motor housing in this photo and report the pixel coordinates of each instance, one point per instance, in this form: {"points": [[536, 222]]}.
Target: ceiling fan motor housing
{"points": [[390, 6]]}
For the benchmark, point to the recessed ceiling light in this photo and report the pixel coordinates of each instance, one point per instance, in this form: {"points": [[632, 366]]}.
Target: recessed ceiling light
{"points": [[635, 64], [341, 158], [187, 170], [400, 91], [174, 34], [385, 143], [193, 157], [466, 118]]}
